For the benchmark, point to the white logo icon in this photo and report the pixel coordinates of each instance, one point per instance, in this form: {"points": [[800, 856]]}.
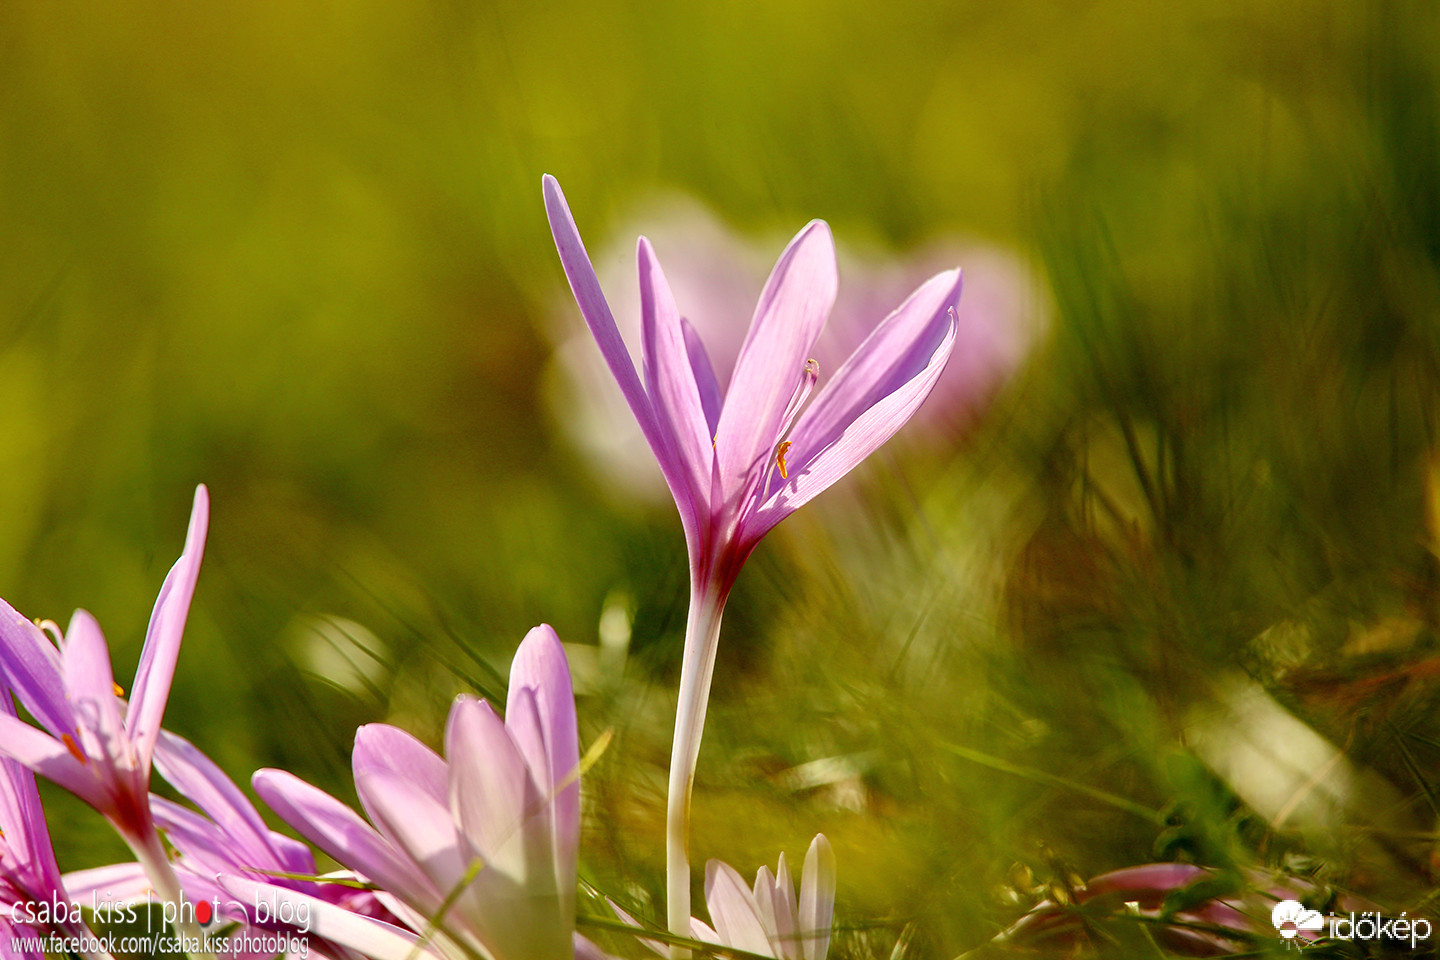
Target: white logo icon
{"points": [[1290, 917]]}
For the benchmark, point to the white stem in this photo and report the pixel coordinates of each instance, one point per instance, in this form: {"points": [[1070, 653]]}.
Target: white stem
{"points": [[151, 854], [702, 634]]}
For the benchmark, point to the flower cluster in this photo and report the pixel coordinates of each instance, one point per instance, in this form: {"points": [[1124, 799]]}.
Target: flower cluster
{"points": [[472, 853]]}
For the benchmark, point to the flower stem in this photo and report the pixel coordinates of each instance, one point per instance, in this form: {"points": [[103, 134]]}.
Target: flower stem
{"points": [[702, 634], [151, 856]]}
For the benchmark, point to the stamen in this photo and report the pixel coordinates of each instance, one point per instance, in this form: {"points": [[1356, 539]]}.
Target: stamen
{"points": [[119, 690], [808, 376], [70, 745], [802, 391]]}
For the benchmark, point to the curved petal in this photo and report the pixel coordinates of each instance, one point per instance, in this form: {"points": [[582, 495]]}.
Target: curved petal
{"points": [[86, 659], [541, 667], [585, 950], [899, 348], [706, 382], [860, 438], [785, 911], [733, 910], [32, 666], [586, 288], [22, 821], [339, 831], [162, 640], [15, 940], [373, 938], [381, 747], [490, 785], [416, 823], [51, 759], [670, 378], [120, 883], [817, 898], [701, 930], [792, 310], [203, 783], [763, 897], [205, 847]]}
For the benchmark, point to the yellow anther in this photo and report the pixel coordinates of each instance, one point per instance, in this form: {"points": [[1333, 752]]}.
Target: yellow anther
{"points": [[780, 458], [119, 690]]}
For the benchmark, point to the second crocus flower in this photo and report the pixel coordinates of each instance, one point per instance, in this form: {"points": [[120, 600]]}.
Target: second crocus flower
{"points": [[475, 851]]}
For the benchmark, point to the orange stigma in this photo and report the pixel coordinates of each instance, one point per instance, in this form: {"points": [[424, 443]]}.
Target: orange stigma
{"points": [[780, 458], [70, 745]]}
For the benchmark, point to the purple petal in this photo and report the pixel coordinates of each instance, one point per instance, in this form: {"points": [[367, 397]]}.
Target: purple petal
{"points": [[898, 349], [540, 666], [205, 847], [785, 911], [585, 950], [379, 746], [86, 660], [203, 783], [339, 831], [373, 938], [586, 287], [294, 856], [51, 759], [733, 910], [669, 378], [120, 883], [706, 382], [763, 897], [32, 665], [418, 824], [860, 438], [22, 821], [792, 310], [817, 898], [489, 781], [11, 939], [162, 640]]}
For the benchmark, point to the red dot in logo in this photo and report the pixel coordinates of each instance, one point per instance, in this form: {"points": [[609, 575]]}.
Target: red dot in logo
{"points": [[202, 912]]}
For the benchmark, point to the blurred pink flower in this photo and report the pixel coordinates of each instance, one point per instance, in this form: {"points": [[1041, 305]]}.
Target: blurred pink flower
{"points": [[1207, 926]]}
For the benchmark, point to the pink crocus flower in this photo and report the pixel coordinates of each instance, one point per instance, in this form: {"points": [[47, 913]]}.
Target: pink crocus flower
{"points": [[485, 839], [767, 919], [739, 461], [29, 875], [93, 743]]}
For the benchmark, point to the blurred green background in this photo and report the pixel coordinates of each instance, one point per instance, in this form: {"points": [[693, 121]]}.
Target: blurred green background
{"points": [[296, 250]]}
